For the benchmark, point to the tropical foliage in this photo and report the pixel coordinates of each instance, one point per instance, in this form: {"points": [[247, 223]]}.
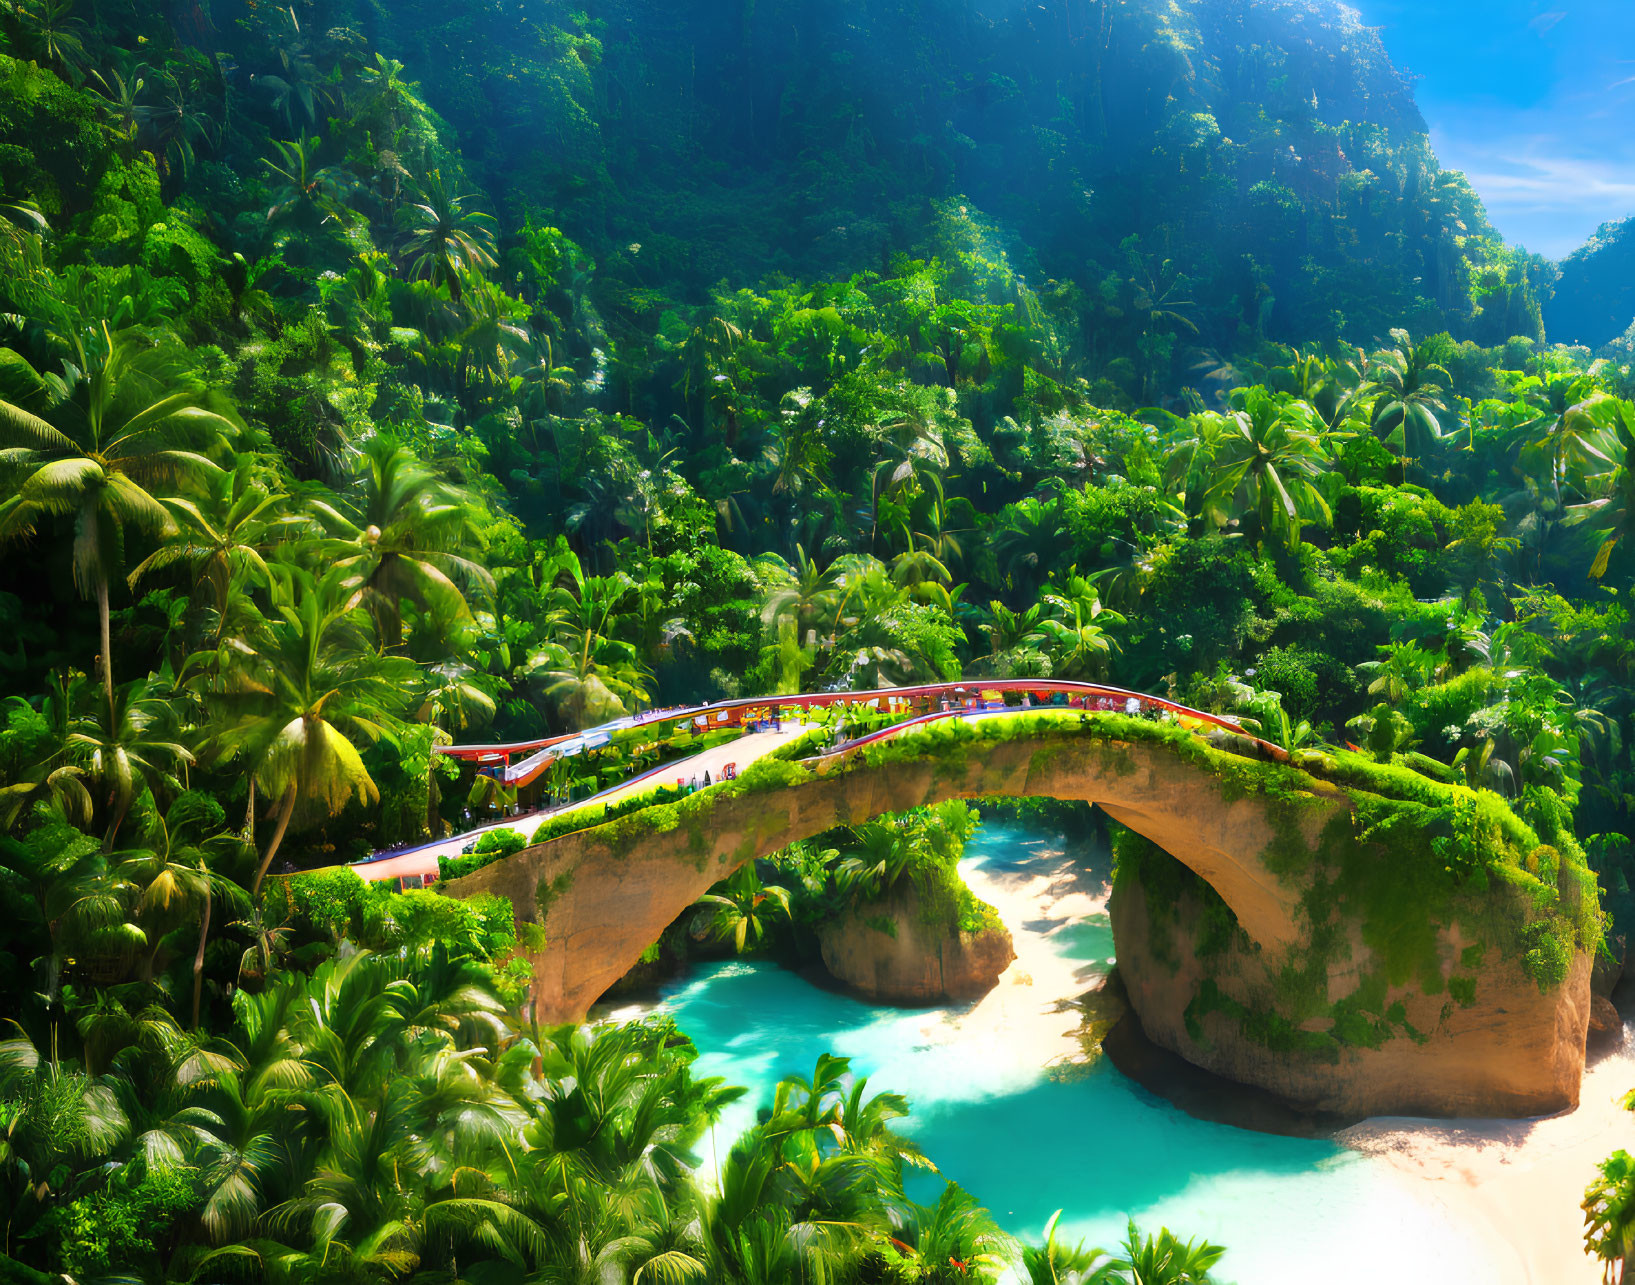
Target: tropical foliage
{"points": [[373, 375]]}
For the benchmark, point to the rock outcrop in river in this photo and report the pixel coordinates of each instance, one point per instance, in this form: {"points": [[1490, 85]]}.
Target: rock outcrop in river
{"points": [[891, 950], [1489, 1041]]}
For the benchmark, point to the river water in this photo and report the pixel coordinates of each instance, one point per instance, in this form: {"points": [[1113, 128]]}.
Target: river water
{"points": [[1027, 1139]]}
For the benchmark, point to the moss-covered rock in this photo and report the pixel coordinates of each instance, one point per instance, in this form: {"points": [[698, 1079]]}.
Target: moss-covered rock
{"points": [[894, 950]]}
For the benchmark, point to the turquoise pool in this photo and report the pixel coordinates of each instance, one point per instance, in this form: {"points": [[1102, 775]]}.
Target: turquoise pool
{"points": [[1095, 1144]]}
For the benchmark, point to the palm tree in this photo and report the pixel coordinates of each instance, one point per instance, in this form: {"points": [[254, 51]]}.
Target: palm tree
{"points": [[589, 671], [1612, 508], [1028, 538], [122, 95], [1334, 389], [52, 35], [800, 457], [1609, 1217], [914, 456], [862, 587], [405, 539], [96, 447], [391, 93], [1053, 1263], [224, 535], [176, 885], [705, 350], [1411, 390], [939, 539], [549, 385], [1266, 465], [1164, 1260], [924, 578], [1158, 299], [744, 906], [878, 854], [21, 227], [955, 1239], [36, 766], [313, 686], [302, 84], [804, 598], [177, 127], [59, 1120], [1191, 446], [865, 1127], [310, 193], [498, 332], [1011, 634], [1556, 438], [130, 751], [448, 241]]}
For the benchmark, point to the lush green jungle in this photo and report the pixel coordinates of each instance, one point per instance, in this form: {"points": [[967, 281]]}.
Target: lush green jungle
{"points": [[376, 373]]}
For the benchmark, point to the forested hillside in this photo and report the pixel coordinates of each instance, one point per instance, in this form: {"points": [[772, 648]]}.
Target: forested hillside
{"points": [[375, 373], [1267, 159], [1593, 301]]}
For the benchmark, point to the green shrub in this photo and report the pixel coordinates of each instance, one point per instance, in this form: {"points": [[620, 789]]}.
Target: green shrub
{"points": [[328, 905], [1547, 956], [122, 1226], [496, 844], [318, 903]]}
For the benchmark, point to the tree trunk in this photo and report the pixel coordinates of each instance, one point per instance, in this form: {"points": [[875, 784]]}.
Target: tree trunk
{"points": [[120, 813], [285, 809], [107, 647], [198, 957]]}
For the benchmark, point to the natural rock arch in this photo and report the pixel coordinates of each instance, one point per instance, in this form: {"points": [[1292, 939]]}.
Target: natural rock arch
{"points": [[1308, 1000]]}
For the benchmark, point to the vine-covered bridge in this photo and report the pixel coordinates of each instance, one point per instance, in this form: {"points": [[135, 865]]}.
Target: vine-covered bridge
{"points": [[1350, 936]]}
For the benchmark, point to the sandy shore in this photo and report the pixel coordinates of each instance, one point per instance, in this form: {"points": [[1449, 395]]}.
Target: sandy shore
{"points": [[1029, 1013], [1522, 1179]]}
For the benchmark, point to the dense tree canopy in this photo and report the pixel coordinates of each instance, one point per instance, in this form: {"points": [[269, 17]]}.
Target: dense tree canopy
{"points": [[373, 374]]}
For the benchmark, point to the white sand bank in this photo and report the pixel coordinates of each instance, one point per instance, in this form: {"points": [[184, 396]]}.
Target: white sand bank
{"points": [[1028, 1013], [1522, 1180]]}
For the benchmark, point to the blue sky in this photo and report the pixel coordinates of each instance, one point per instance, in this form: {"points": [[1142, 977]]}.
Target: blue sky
{"points": [[1533, 99]]}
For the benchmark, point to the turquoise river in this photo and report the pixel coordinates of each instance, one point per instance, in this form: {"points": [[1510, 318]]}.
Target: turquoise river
{"points": [[1028, 1140]]}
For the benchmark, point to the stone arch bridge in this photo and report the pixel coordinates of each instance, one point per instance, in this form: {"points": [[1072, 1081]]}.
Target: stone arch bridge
{"points": [[1352, 939]]}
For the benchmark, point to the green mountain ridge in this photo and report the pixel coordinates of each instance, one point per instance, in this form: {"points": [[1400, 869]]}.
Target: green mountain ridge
{"points": [[1593, 303], [1270, 152]]}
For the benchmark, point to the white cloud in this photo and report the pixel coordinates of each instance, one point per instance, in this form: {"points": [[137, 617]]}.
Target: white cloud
{"points": [[1540, 188], [1540, 182]]}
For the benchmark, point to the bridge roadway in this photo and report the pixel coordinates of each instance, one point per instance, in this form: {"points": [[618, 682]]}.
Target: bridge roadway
{"points": [[422, 861], [923, 704]]}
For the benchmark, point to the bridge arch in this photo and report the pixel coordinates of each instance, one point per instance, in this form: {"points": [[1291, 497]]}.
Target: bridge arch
{"points": [[1262, 835]]}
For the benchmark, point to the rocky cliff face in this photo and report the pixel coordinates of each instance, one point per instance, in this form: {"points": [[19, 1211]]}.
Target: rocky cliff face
{"points": [[885, 950], [1495, 1043], [1594, 301]]}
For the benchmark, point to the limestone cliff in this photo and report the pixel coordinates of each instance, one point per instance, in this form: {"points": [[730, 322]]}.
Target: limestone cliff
{"points": [[891, 950], [1472, 1035]]}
